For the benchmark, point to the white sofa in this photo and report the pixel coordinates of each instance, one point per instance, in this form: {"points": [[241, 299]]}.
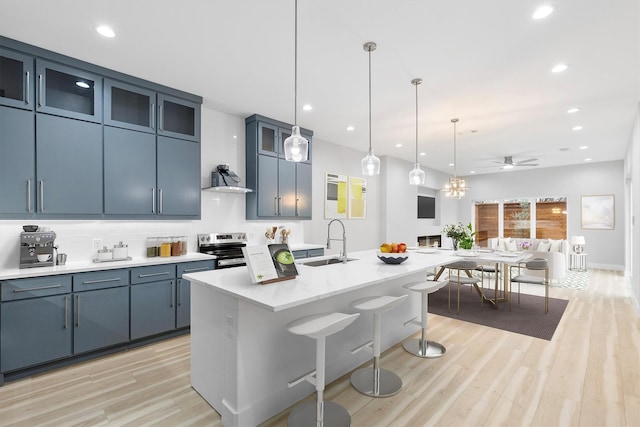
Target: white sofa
{"points": [[556, 252]]}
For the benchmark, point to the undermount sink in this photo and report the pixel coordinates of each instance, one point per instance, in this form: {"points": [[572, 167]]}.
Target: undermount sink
{"points": [[326, 261]]}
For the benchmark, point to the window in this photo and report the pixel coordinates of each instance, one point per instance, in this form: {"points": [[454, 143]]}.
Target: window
{"points": [[517, 218], [487, 221], [551, 218]]}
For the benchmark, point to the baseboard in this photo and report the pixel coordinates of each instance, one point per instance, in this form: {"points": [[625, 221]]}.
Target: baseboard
{"points": [[614, 267]]}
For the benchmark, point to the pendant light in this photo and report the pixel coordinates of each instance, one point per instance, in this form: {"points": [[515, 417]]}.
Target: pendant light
{"points": [[456, 187], [370, 164], [296, 147], [416, 176]]}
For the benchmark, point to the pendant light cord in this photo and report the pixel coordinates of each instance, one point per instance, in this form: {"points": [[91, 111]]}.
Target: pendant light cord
{"points": [[416, 122], [295, 67], [455, 162], [369, 99]]}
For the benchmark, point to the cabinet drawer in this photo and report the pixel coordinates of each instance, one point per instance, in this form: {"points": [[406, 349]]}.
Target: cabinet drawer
{"points": [[153, 273], [35, 287], [100, 280], [193, 267], [315, 252], [300, 254]]}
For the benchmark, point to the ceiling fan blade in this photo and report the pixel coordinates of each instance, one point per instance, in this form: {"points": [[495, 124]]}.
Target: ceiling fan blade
{"points": [[527, 164], [527, 161]]}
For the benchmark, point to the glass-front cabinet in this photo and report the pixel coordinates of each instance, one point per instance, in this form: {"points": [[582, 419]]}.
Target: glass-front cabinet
{"points": [[16, 79], [178, 118], [68, 92], [130, 107]]}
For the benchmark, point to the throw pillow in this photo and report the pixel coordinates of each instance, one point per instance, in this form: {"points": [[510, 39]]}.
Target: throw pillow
{"points": [[511, 245], [502, 244], [556, 245], [543, 246]]}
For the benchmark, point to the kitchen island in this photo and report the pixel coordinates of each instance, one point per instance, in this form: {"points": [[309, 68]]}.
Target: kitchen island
{"points": [[242, 355]]}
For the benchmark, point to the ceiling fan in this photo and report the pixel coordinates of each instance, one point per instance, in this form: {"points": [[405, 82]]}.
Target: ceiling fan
{"points": [[508, 162]]}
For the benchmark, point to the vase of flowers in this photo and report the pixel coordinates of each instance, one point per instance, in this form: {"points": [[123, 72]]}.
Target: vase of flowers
{"points": [[460, 235]]}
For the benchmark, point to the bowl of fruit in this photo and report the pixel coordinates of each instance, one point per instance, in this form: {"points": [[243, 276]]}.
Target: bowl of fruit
{"points": [[393, 253]]}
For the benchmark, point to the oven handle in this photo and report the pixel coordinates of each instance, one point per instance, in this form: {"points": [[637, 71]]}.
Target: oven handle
{"points": [[231, 261]]}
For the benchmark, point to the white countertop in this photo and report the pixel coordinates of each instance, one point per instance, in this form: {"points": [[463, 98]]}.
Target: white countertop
{"points": [[315, 283], [84, 266]]}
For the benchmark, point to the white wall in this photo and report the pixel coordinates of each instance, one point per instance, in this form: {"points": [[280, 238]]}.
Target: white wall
{"points": [[632, 180], [605, 248]]}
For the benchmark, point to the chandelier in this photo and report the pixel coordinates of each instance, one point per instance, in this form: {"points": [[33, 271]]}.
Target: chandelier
{"points": [[456, 187]]}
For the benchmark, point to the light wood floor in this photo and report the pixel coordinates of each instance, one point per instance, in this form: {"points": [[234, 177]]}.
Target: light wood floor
{"points": [[588, 375]]}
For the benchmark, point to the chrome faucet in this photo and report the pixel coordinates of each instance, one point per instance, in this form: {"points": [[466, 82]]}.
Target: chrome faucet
{"points": [[344, 239]]}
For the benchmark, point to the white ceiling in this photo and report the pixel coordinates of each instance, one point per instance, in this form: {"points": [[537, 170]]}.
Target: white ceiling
{"points": [[487, 63]]}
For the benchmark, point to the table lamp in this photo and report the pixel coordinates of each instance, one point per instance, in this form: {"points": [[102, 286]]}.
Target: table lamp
{"points": [[577, 242]]}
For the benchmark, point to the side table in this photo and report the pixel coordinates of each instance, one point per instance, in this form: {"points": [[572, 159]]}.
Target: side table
{"points": [[578, 262]]}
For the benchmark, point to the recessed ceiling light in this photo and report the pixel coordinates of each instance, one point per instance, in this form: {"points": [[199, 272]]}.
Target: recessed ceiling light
{"points": [[235, 136], [584, 147], [573, 110], [587, 160], [350, 128], [472, 171], [398, 145], [105, 31], [577, 127], [450, 164], [83, 85], [559, 68], [423, 154], [543, 11], [307, 107]]}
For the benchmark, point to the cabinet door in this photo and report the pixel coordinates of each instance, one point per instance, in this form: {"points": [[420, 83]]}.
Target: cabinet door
{"points": [[35, 331], [183, 301], [268, 186], [69, 172], [17, 161], [153, 308], [129, 107], [178, 177], [129, 172], [16, 79], [101, 318], [287, 188], [268, 139], [178, 118], [68, 92], [303, 190]]}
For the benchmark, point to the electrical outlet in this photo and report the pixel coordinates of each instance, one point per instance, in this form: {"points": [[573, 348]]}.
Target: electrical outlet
{"points": [[97, 244]]}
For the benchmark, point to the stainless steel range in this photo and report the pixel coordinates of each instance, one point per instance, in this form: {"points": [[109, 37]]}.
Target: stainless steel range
{"points": [[226, 247]]}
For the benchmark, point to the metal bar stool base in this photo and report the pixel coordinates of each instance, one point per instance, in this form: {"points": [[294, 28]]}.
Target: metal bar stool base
{"points": [[304, 415], [427, 349], [388, 382]]}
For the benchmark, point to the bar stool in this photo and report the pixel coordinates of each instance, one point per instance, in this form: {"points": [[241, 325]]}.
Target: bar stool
{"points": [[374, 381], [318, 327], [422, 347]]}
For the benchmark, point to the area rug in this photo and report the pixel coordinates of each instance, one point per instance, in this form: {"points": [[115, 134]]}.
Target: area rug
{"points": [[526, 318], [574, 280]]}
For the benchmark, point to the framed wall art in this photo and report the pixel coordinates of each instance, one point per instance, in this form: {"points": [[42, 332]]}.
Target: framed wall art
{"points": [[598, 212], [335, 196], [357, 198]]}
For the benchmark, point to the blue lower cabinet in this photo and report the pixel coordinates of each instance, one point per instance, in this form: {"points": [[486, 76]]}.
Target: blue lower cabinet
{"points": [[183, 303], [100, 318], [153, 308], [35, 331]]}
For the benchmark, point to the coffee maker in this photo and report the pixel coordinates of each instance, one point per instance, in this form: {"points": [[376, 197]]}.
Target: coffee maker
{"points": [[35, 245]]}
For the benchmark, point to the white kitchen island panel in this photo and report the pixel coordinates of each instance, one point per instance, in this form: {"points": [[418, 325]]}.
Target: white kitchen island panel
{"points": [[242, 355]]}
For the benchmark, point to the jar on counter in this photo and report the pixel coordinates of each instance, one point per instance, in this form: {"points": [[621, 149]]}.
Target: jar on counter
{"points": [[152, 247], [165, 246], [105, 254], [120, 251], [176, 246], [185, 242]]}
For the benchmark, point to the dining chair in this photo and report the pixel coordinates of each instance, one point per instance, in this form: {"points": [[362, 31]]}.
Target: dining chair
{"points": [[459, 274], [536, 264]]}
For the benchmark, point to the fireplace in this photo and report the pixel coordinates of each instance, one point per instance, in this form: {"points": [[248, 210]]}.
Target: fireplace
{"points": [[434, 240]]}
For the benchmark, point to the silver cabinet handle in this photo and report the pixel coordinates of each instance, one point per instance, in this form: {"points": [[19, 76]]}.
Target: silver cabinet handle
{"points": [[39, 288], [29, 195], [275, 206], [91, 282], [191, 270], [164, 273], [179, 292], [27, 88], [173, 294], [41, 195], [153, 116], [77, 310], [39, 90], [160, 200], [160, 118], [66, 312], [279, 206], [153, 200], [297, 200]]}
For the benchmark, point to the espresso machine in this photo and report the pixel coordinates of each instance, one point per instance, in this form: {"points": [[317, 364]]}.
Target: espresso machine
{"points": [[36, 249]]}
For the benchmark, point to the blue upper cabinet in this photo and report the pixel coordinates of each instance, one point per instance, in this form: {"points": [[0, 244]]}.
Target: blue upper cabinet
{"points": [[178, 118], [130, 107], [68, 92], [16, 79]]}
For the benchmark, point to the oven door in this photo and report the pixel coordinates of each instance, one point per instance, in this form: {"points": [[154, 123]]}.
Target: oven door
{"points": [[229, 262]]}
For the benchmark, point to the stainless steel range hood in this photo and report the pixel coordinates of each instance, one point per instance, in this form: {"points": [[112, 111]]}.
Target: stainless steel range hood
{"points": [[225, 181]]}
